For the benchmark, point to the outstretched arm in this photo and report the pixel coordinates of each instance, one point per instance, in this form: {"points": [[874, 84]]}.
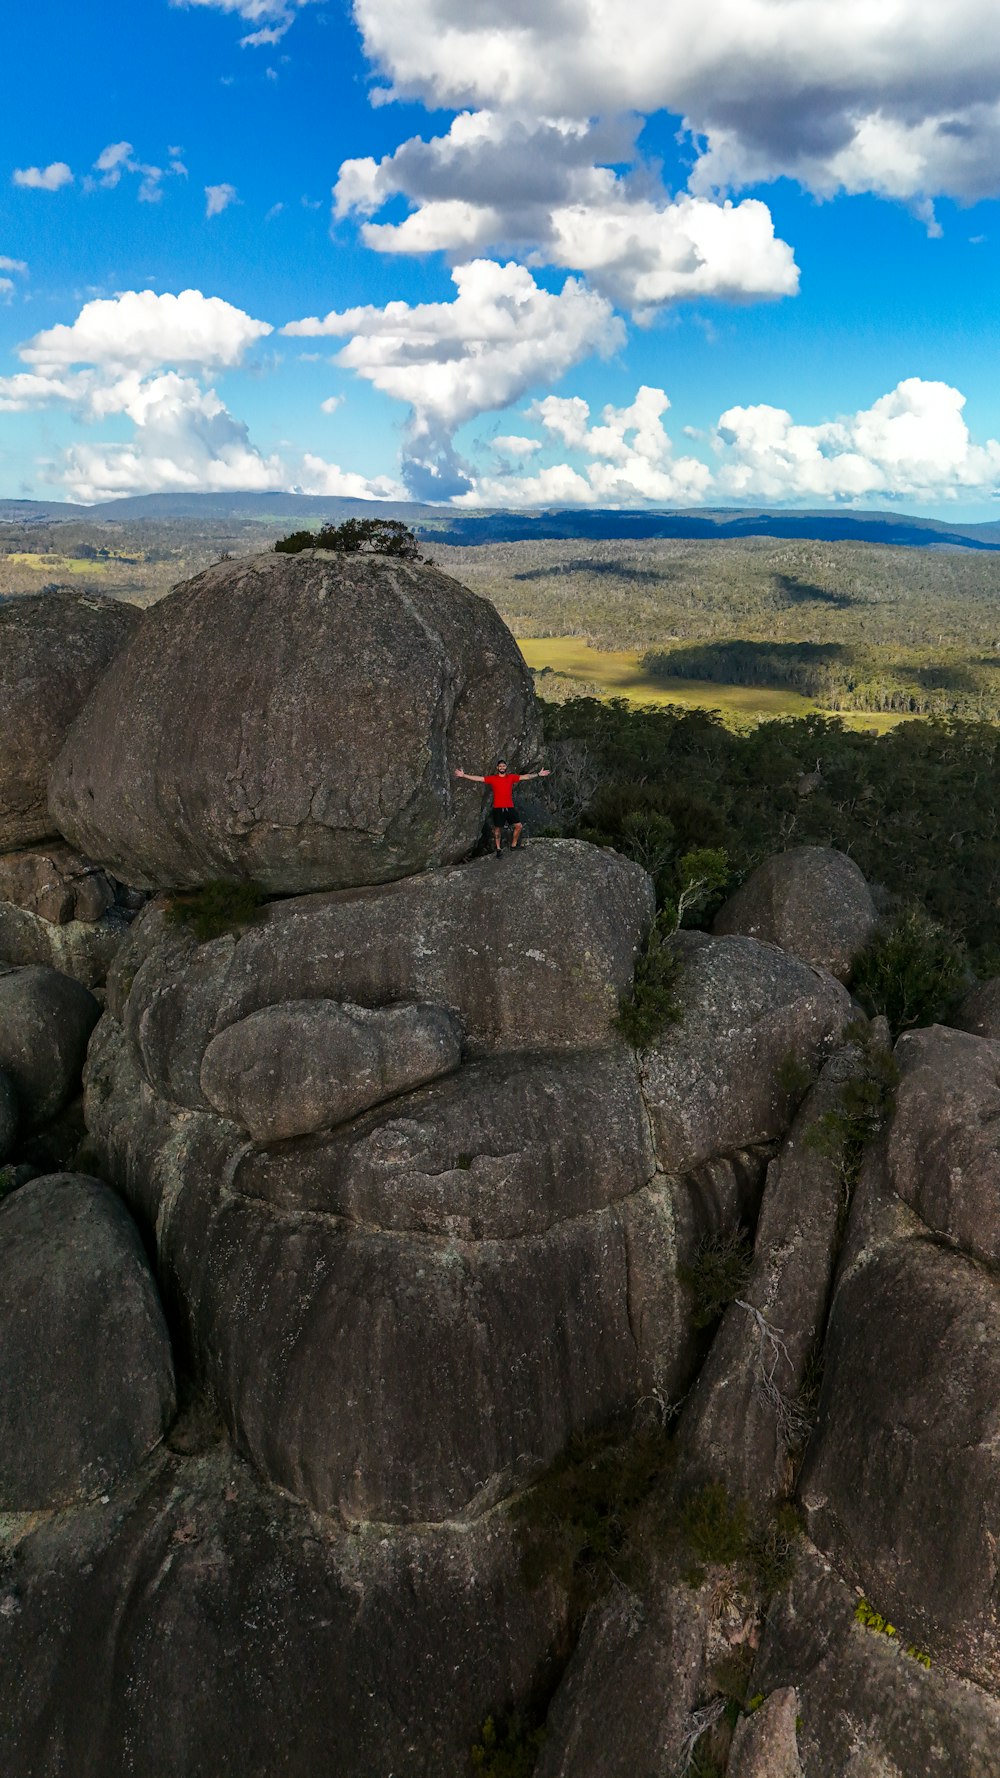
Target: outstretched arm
{"points": [[543, 772], [473, 777]]}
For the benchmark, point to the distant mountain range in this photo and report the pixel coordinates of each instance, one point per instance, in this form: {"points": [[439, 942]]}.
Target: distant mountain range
{"points": [[511, 527]]}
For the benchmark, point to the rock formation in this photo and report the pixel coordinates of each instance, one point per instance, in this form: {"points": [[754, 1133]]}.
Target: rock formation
{"points": [[422, 1225]]}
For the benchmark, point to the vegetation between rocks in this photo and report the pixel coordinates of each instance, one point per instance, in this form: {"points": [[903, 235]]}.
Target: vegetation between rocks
{"points": [[717, 1274], [508, 1747], [873, 1620], [911, 972], [719, 1529], [865, 1104], [216, 908]]}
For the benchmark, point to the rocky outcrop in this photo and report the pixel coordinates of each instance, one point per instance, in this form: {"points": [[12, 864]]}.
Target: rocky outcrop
{"points": [[866, 1708], [943, 1153], [744, 1422], [45, 1022], [333, 698], [58, 910], [721, 1080], [765, 1744], [812, 901], [979, 1012], [55, 884], [53, 649], [86, 1377], [305, 1065], [199, 1623], [9, 1118], [533, 952]]}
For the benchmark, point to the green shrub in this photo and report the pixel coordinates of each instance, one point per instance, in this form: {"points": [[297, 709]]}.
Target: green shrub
{"points": [[717, 1274], [717, 1529], [577, 1524], [910, 972], [654, 1002], [866, 1102], [216, 908], [507, 1749], [382, 537]]}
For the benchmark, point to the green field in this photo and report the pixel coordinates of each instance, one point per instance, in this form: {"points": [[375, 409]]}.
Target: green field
{"points": [[620, 674], [55, 564]]}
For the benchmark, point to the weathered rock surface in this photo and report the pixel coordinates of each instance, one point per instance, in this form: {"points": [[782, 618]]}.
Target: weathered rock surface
{"points": [[53, 649], [55, 883], [333, 696], [9, 1117], [305, 1065], [200, 1626], [490, 1258], [743, 1420], [625, 1702], [86, 1376], [943, 1156], [812, 901], [529, 953], [866, 1708], [979, 1012], [83, 949], [718, 1082], [765, 1744], [901, 1483], [45, 1022]]}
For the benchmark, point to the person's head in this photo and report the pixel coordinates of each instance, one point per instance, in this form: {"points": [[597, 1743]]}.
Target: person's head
{"points": [[501, 765]]}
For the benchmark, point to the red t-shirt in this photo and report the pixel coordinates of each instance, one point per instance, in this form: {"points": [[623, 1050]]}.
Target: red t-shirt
{"points": [[502, 785]]}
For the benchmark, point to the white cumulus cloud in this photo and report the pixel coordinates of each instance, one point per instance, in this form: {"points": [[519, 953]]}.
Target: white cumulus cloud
{"points": [[501, 336], [50, 178], [218, 198], [140, 330], [900, 99], [272, 17]]}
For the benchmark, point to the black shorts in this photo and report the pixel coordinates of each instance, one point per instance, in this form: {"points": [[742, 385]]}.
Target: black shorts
{"points": [[504, 818]]}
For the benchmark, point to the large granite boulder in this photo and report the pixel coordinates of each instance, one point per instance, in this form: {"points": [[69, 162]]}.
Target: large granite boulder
{"points": [[489, 1257], [86, 1376], [943, 1151], [743, 1422], [979, 1012], [528, 953], [724, 1077], [901, 1483], [333, 696], [866, 1708], [812, 901], [53, 649], [199, 1625], [45, 1023]]}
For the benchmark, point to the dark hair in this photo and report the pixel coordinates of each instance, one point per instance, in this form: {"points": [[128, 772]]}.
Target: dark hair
{"points": [[501, 762]]}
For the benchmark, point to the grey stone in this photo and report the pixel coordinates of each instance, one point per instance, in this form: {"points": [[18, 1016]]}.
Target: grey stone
{"points": [[332, 697], [719, 1080], [9, 1117], [742, 1423], [482, 1305], [765, 1744], [866, 1708], [901, 1482], [305, 1065], [55, 883], [53, 649], [533, 952], [943, 1154], [86, 1377], [812, 901], [201, 1626], [83, 949], [45, 1023]]}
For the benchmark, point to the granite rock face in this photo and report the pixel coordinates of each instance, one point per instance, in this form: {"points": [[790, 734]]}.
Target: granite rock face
{"points": [[812, 901], [9, 1116], [45, 1023], [86, 1376], [718, 1081], [528, 953], [943, 1153], [53, 649], [55, 884], [333, 697]]}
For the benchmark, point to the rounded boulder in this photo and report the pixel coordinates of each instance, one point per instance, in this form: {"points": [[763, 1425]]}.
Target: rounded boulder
{"points": [[296, 720], [86, 1375], [812, 901], [45, 1024], [53, 649]]}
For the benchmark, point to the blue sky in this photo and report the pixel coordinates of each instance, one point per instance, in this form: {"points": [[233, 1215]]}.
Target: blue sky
{"points": [[598, 251]]}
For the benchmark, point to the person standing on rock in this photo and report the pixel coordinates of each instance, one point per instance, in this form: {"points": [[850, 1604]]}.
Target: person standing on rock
{"points": [[501, 783]]}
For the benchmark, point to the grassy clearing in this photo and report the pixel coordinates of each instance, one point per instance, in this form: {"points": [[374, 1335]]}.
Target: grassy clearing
{"points": [[56, 564], [621, 674]]}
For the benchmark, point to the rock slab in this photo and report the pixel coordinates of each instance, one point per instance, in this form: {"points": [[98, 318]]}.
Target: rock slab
{"points": [[86, 1376]]}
